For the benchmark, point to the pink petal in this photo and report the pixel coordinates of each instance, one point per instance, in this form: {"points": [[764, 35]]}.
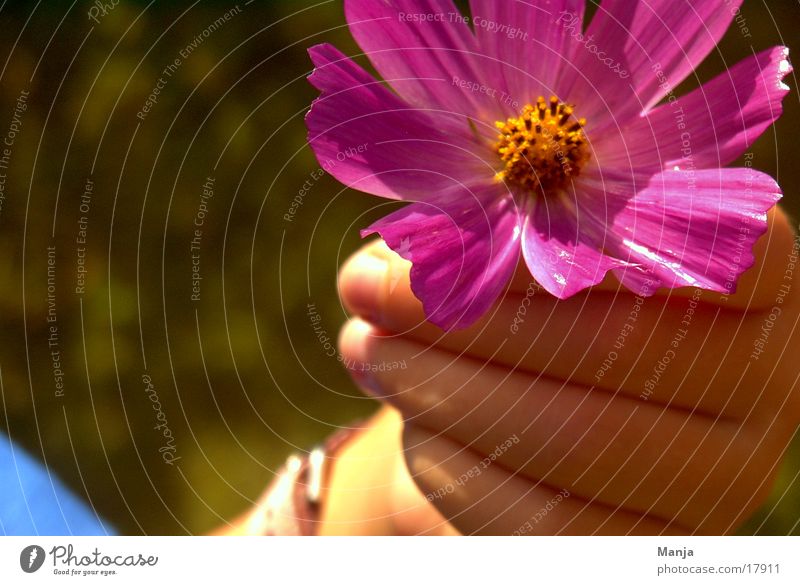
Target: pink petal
{"points": [[464, 249], [711, 126], [670, 36], [562, 247], [370, 140], [529, 40], [427, 54], [687, 228]]}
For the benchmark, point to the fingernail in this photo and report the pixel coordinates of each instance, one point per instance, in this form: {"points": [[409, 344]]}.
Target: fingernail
{"points": [[353, 346], [367, 382]]}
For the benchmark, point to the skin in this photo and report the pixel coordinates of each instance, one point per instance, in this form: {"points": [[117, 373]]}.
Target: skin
{"points": [[368, 490], [491, 430], [698, 453]]}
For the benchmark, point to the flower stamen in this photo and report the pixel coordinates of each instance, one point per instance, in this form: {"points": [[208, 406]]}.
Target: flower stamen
{"points": [[543, 148]]}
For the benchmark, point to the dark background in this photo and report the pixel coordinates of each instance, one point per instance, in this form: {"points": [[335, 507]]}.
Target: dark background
{"points": [[241, 378]]}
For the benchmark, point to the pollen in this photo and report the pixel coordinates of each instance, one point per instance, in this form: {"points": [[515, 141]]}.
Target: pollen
{"points": [[543, 149]]}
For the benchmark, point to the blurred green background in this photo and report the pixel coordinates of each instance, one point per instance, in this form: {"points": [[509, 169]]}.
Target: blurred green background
{"points": [[240, 375]]}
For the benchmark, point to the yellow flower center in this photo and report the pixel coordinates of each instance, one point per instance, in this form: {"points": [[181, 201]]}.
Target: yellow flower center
{"points": [[544, 148]]}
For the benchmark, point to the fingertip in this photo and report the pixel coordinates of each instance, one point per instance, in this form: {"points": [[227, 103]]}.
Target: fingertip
{"points": [[353, 337], [758, 286], [354, 347], [361, 282], [374, 284], [379, 249]]}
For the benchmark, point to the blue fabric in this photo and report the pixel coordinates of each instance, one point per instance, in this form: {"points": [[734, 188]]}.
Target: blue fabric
{"points": [[35, 502]]}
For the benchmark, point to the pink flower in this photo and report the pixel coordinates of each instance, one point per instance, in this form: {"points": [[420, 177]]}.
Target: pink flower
{"points": [[515, 129]]}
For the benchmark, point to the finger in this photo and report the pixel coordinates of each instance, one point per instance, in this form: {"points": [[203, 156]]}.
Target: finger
{"points": [[755, 288], [494, 501], [680, 352], [414, 514], [616, 450], [369, 490]]}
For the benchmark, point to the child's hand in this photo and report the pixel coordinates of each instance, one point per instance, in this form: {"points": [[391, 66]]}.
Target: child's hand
{"points": [[605, 413]]}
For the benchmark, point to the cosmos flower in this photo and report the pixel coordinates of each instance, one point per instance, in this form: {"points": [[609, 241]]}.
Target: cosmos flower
{"points": [[514, 129]]}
